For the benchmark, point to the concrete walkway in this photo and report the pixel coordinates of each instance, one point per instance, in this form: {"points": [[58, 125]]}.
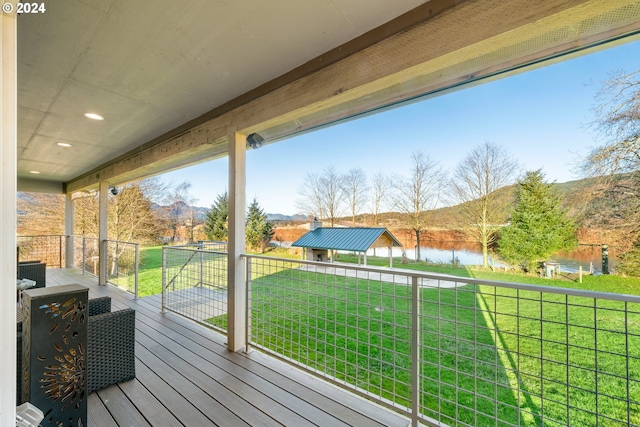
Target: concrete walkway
{"points": [[397, 275]]}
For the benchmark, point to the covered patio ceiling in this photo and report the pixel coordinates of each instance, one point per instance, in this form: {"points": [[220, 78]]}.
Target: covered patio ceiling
{"points": [[173, 79]]}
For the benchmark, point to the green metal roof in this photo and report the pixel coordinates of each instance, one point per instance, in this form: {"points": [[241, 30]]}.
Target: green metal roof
{"points": [[357, 239]]}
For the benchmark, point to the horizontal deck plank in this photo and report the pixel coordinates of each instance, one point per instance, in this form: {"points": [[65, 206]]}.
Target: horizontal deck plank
{"points": [[98, 415], [149, 406], [123, 411]]}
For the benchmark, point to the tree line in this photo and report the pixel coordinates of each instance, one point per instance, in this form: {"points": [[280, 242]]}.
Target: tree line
{"points": [[538, 226], [133, 215]]}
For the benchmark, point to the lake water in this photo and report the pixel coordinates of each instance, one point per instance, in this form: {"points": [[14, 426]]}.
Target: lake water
{"points": [[468, 253]]}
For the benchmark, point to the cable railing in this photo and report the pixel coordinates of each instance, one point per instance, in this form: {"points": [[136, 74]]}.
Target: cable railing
{"points": [[122, 265], [122, 257], [86, 251], [48, 249], [194, 284], [450, 350]]}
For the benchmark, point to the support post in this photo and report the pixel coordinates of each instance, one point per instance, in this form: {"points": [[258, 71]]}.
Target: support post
{"points": [[164, 278], [69, 252], [415, 352], [8, 183], [237, 325], [605, 259], [103, 232]]}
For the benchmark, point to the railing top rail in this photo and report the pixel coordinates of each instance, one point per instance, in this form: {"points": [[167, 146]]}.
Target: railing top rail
{"points": [[43, 235], [122, 241], [467, 280], [192, 248]]}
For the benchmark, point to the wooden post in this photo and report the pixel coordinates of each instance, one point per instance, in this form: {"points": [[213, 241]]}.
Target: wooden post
{"points": [[68, 231], [103, 232], [605, 259], [8, 183], [237, 325], [580, 275]]}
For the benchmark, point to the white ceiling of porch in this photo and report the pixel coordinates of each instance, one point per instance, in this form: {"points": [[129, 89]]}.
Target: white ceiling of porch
{"points": [[171, 77], [150, 66]]}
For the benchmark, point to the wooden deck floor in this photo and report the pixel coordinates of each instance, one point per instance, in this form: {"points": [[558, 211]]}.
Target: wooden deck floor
{"points": [[186, 376]]}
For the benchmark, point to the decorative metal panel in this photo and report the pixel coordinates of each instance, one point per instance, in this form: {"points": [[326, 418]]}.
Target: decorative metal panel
{"points": [[54, 365]]}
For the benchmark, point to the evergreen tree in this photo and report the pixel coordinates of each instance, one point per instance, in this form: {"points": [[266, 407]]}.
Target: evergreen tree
{"points": [[259, 230], [216, 225], [539, 226]]}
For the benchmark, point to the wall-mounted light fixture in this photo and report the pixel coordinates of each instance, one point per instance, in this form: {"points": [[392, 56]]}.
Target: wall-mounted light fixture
{"points": [[114, 190], [254, 141]]}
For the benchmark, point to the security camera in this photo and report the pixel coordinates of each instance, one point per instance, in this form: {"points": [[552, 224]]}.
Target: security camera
{"points": [[114, 191], [254, 141]]}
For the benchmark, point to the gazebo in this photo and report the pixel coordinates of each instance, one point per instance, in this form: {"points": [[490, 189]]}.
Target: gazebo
{"points": [[319, 242]]}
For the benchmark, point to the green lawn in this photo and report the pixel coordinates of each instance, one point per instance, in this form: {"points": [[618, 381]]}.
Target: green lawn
{"points": [[150, 271], [600, 283]]}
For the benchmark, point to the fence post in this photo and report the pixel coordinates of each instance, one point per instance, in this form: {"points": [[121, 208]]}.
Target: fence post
{"points": [[135, 293], [60, 251], [415, 351], [247, 278], [164, 277], [201, 280]]}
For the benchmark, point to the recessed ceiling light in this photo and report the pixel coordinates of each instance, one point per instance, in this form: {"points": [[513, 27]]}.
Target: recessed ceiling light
{"points": [[93, 116], [34, 172], [63, 144]]}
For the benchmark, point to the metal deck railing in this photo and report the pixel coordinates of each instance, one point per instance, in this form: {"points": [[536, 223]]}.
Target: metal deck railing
{"points": [[452, 350], [122, 257], [48, 249], [442, 350], [194, 284]]}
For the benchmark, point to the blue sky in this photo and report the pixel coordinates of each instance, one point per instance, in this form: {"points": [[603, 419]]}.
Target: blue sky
{"points": [[542, 117]]}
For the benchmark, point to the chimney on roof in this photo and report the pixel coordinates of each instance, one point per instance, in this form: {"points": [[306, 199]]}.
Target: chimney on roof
{"points": [[315, 224]]}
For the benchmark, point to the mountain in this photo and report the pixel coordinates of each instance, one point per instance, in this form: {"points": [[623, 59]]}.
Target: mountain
{"points": [[182, 208], [281, 218]]}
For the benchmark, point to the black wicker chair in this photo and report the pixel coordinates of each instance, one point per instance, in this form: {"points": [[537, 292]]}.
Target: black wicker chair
{"points": [[111, 348], [110, 342], [34, 270]]}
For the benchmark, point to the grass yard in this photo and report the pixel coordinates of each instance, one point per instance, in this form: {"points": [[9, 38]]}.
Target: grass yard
{"points": [[488, 357], [150, 271], [601, 283]]}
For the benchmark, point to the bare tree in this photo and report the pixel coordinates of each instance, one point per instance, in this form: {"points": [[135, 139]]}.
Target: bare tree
{"points": [[310, 201], [475, 184], [179, 209], [380, 184], [322, 195], [356, 189], [40, 213], [419, 193], [131, 214], [617, 161]]}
